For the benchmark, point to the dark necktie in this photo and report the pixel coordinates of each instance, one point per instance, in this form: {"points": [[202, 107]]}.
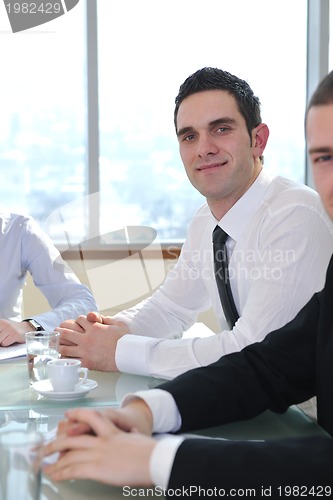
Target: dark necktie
{"points": [[222, 276]]}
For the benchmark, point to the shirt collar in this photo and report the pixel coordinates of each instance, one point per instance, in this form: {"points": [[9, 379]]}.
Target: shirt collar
{"points": [[236, 220]]}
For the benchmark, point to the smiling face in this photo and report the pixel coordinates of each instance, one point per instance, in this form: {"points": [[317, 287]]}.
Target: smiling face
{"points": [[319, 131], [220, 158]]}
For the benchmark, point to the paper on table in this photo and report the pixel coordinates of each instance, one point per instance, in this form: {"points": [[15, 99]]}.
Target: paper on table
{"points": [[13, 351]]}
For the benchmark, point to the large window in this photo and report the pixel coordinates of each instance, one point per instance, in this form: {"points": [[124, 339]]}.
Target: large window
{"points": [[43, 116], [158, 45], [145, 51]]}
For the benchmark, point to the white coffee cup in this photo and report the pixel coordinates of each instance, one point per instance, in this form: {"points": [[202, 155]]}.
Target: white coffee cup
{"points": [[64, 374]]}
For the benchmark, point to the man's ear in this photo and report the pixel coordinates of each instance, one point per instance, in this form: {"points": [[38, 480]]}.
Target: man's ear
{"points": [[260, 138]]}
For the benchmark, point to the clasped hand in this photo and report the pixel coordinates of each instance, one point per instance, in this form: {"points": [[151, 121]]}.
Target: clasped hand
{"points": [[92, 339], [113, 446]]}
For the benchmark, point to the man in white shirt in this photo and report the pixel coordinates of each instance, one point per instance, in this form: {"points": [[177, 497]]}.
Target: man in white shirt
{"points": [[279, 245], [24, 248], [290, 365]]}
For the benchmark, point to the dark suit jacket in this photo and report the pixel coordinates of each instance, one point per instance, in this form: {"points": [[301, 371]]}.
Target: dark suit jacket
{"points": [[291, 365]]}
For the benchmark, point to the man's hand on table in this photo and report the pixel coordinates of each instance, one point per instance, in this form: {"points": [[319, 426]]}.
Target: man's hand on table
{"points": [[13, 331], [106, 446], [136, 415], [92, 339]]}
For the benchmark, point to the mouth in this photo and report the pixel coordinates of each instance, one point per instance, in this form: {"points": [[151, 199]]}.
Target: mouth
{"points": [[211, 166]]}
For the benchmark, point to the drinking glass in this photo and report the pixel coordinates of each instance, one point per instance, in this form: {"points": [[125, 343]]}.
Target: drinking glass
{"points": [[20, 465], [41, 348]]}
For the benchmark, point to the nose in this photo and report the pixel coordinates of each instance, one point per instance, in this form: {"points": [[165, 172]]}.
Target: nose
{"points": [[206, 146]]}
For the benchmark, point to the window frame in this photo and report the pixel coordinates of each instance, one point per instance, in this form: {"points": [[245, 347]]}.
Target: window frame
{"points": [[318, 30]]}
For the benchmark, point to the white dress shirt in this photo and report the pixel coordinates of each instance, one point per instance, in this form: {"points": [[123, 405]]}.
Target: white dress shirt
{"points": [[279, 248], [25, 247]]}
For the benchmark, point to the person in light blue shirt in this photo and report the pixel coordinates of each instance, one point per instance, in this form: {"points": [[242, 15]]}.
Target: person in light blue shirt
{"points": [[24, 248]]}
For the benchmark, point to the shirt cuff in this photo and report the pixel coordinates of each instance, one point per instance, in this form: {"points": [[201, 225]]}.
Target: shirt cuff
{"points": [[162, 459], [132, 353], [166, 417]]}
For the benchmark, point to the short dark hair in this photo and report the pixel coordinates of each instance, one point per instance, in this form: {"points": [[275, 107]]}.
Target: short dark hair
{"points": [[323, 93], [217, 79]]}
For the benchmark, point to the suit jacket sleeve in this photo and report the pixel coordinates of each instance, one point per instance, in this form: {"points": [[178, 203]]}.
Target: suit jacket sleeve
{"points": [[273, 374], [289, 366], [276, 466]]}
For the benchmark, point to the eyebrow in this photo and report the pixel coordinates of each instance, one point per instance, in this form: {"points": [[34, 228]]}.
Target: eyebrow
{"points": [[218, 121], [323, 149]]}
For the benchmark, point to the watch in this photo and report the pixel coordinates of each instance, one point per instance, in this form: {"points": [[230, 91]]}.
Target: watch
{"points": [[36, 326]]}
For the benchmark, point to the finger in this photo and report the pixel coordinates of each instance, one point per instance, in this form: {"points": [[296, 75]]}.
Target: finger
{"points": [[73, 464], [83, 322], [63, 341], [94, 317], [63, 426], [71, 472], [119, 419], [67, 322], [97, 421], [71, 325], [109, 320], [71, 427], [63, 444], [78, 428], [69, 336], [69, 351], [5, 342]]}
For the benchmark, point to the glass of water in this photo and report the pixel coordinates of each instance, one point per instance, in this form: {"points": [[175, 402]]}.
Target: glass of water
{"points": [[21, 454], [41, 348]]}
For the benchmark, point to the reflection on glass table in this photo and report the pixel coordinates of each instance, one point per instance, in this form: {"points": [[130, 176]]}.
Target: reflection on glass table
{"points": [[16, 393]]}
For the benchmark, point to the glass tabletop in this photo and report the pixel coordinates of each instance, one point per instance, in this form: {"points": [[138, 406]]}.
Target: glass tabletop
{"points": [[23, 408], [16, 393]]}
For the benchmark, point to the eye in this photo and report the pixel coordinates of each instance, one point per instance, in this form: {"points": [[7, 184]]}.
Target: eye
{"points": [[222, 130], [188, 137], [322, 158]]}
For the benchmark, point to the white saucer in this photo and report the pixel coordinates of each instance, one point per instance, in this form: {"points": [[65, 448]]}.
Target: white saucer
{"points": [[45, 388]]}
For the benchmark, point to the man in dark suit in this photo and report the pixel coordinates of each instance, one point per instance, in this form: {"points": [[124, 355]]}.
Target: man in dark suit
{"points": [[291, 365]]}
